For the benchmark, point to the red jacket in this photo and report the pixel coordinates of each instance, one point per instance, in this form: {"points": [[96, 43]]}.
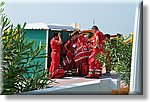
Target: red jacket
{"points": [[54, 45], [101, 38]]}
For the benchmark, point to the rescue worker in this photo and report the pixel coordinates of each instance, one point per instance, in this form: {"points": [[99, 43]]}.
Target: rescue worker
{"points": [[81, 55], [55, 69], [68, 62], [95, 67]]}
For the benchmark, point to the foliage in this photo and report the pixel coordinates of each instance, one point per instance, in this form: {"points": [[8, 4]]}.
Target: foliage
{"points": [[105, 57], [22, 70], [117, 56]]}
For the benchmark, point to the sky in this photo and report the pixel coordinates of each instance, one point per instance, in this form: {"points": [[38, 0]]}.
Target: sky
{"points": [[110, 16]]}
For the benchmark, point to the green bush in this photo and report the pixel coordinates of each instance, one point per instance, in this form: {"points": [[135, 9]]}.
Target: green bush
{"points": [[22, 70], [120, 55]]}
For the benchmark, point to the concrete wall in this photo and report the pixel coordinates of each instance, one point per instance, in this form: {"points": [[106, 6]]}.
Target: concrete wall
{"points": [[97, 87]]}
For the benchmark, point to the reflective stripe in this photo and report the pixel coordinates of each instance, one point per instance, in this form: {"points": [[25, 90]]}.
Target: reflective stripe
{"points": [[97, 73], [90, 72], [92, 54], [82, 52], [90, 69], [77, 50], [69, 71], [94, 73], [81, 58], [65, 71], [97, 70], [67, 59], [64, 63]]}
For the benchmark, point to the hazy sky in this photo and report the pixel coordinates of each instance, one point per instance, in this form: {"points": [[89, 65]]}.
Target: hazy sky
{"points": [[111, 17]]}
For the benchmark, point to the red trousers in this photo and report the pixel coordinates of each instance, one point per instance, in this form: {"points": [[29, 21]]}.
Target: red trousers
{"points": [[95, 67], [82, 67], [55, 57], [69, 64], [55, 69]]}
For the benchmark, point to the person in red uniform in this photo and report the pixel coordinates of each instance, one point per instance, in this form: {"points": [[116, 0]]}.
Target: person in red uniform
{"points": [[68, 62], [95, 67], [55, 69], [81, 55]]}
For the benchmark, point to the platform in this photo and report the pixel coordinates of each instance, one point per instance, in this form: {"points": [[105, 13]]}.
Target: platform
{"points": [[80, 85]]}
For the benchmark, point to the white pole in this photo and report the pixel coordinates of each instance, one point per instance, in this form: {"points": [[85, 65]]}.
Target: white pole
{"points": [[136, 69], [47, 33]]}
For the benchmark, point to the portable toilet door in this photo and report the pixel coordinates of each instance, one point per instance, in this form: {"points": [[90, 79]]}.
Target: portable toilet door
{"points": [[39, 32], [39, 36]]}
